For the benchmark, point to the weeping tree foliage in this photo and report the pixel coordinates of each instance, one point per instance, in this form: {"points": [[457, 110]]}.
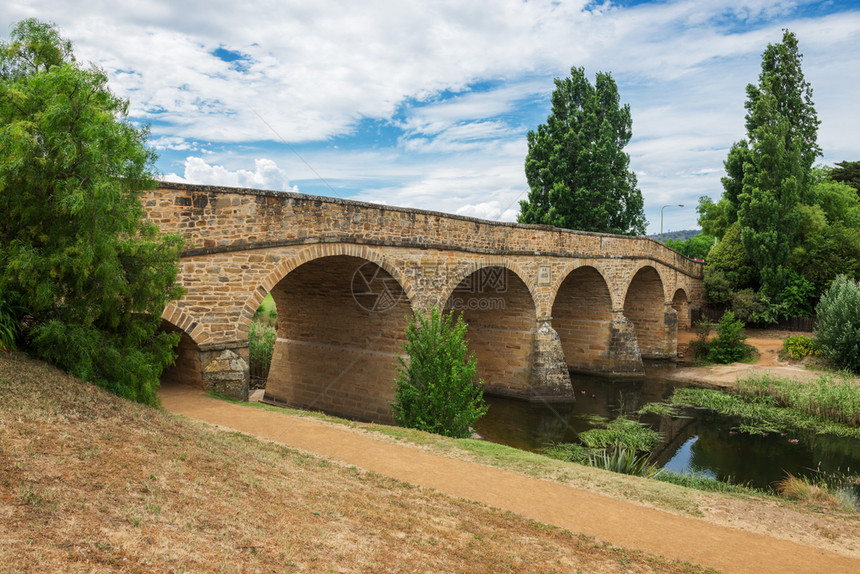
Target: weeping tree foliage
{"points": [[576, 166], [437, 388], [89, 276]]}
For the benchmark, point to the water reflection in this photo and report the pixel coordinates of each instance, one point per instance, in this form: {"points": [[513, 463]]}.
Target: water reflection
{"points": [[696, 439]]}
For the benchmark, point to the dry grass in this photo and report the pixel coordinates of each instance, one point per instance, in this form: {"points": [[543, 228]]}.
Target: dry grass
{"points": [[90, 482], [803, 490]]}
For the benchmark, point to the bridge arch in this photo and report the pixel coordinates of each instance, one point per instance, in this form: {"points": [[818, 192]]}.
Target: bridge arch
{"points": [[288, 264], [644, 306], [681, 305], [582, 316], [186, 368], [499, 307], [341, 325]]}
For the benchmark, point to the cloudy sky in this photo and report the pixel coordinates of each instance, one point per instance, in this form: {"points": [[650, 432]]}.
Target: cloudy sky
{"points": [[427, 103]]}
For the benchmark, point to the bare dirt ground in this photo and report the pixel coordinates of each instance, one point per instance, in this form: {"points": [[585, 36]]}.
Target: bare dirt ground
{"points": [[733, 536], [767, 343]]}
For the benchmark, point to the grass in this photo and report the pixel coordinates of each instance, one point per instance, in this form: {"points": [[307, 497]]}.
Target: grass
{"points": [[831, 398], [704, 483], [827, 490], [765, 404], [622, 431], [91, 482]]}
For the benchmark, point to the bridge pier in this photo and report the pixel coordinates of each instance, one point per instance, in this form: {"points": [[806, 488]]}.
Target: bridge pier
{"points": [[624, 355], [224, 369], [670, 320], [550, 378]]}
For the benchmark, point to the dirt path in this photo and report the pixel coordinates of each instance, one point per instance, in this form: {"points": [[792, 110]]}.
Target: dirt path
{"points": [[617, 522]]}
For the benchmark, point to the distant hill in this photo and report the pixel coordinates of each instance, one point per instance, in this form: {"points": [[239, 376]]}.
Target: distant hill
{"points": [[683, 235]]}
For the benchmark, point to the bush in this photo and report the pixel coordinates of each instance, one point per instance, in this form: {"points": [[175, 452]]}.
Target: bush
{"points": [[624, 461], [700, 345], [728, 346], [261, 345], [437, 390], [838, 329], [799, 347], [9, 325]]}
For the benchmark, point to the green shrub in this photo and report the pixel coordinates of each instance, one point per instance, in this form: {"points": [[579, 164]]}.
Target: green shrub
{"points": [[700, 345], [625, 461], [798, 347], [796, 296], [838, 329], [261, 345], [10, 327], [728, 346], [437, 389]]}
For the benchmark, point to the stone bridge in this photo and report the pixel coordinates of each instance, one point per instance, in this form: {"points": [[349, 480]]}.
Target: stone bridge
{"points": [[346, 277]]}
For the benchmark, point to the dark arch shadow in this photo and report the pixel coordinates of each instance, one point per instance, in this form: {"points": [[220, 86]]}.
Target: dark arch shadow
{"points": [[500, 312], [582, 316], [681, 304], [644, 307], [186, 369], [341, 325]]}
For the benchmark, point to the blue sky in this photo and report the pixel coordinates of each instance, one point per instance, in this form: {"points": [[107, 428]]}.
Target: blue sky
{"points": [[427, 104]]}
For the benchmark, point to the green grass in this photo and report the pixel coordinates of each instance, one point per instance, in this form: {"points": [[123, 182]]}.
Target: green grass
{"points": [[831, 398], [707, 484], [267, 312], [761, 413], [662, 409], [622, 431], [268, 305], [568, 452]]}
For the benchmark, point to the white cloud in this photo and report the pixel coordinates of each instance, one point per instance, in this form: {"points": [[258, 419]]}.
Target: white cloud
{"points": [[489, 210], [457, 83], [266, 175]]}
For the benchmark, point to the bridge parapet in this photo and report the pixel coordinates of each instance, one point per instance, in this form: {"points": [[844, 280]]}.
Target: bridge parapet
{"points": [[217, 219]]}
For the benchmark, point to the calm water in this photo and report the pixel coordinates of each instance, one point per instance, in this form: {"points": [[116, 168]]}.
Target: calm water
{"points": [[700, 439]]}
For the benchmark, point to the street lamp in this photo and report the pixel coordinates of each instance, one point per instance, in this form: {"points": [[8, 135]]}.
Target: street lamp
{"points": [[661, 219]]}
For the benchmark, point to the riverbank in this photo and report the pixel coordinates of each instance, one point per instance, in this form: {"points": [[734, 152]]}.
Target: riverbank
{"points": [[768, 345], [728, 533]]}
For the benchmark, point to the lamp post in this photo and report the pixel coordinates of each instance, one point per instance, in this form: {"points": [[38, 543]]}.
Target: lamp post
{"points": [[661, 219]]}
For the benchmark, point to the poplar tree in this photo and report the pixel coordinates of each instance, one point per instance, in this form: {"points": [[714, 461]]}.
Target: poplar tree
{"points": [[88, 274], [770, 173], [576, 167]]}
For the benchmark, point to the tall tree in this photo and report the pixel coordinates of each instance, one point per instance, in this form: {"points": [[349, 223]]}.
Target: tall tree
{"points": [[576, 166], [847, 172], [770, 172], [75, 251]]}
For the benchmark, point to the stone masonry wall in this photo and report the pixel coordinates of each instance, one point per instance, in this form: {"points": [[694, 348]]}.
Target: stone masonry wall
{"points": [[569, 299]]}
